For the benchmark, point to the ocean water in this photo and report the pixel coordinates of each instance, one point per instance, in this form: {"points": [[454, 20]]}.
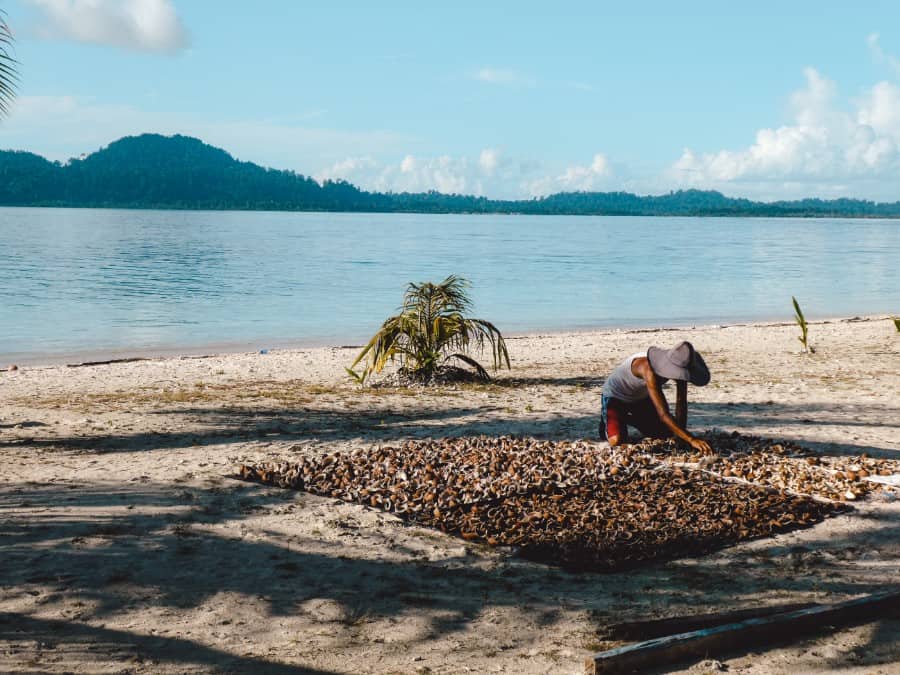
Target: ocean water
{"points": [[121, 281]]}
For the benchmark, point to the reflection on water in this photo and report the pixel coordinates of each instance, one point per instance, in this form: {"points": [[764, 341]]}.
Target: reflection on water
{"points": [[82, 279]]}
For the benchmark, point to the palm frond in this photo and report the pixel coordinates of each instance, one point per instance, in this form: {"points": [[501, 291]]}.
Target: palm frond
{"points": [[359, 377], [9, 77], [479, 369], [491, 333], [800, 319]]}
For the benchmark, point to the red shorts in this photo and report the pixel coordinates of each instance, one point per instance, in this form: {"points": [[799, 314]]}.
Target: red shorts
{"points": [[616, 415]]}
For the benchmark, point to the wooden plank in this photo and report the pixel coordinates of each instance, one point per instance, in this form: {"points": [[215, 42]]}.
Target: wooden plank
{"points": [[742, 634], [653, 628]]}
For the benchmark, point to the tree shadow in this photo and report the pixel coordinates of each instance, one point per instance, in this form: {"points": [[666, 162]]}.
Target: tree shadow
{"points": [[802, 415], [183, 547], [388, 424], [580, 381], [217, 425], [82, 643]]}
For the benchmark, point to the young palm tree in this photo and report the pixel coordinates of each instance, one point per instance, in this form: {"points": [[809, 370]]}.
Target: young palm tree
{"points": [[431, 329], [8, 77], [804, 327]]}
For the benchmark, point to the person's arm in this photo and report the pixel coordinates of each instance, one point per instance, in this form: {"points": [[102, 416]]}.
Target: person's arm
{"points": [[681, 403], [641, 367]]}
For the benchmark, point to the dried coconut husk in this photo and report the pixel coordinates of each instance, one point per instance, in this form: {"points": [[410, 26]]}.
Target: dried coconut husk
{"points": [[780, 464], [576, 504]]}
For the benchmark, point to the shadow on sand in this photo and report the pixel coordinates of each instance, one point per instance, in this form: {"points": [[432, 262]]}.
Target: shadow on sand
{"points": [[122, 548], [385, 424]]}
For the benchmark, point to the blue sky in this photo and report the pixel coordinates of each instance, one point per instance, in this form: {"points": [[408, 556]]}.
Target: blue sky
{"points": [[774, 100]]}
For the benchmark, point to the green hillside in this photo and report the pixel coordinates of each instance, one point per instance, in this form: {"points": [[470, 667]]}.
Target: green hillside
{"points": [[179, 172]]}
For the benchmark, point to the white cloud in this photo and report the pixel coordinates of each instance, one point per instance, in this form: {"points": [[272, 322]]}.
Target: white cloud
{"points": [[411, 174], [143, 25], [450, 175], [491, 174], [488, 160], [825, 150], [408, 165], [879, 109], [879, 55], [576, 178], [346, 167], [503, 76]]}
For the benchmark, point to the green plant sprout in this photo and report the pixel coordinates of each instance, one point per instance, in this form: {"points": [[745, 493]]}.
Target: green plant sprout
{"points": [[804, 327]]}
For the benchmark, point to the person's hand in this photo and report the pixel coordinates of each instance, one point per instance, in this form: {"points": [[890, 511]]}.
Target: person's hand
{"points": [[701, 446]]}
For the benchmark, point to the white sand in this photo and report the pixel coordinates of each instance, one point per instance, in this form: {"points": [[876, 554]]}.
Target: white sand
{"points": [[126, 548]]}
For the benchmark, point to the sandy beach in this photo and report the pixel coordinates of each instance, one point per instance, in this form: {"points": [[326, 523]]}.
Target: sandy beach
{"points": [[128, 546]]}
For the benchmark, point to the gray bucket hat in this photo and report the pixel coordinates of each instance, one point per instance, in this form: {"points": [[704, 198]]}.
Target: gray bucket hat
{"points": [[682, 362]]}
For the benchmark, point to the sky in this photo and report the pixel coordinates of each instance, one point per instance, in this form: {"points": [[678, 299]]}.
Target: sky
{"points": [[769, 100]]}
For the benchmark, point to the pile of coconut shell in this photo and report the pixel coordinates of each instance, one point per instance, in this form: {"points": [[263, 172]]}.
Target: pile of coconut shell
{"points": [[576, 504], [782, 465]]}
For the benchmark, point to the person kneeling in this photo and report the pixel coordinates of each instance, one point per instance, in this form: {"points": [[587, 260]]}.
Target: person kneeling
{"points": [[632, 394]]}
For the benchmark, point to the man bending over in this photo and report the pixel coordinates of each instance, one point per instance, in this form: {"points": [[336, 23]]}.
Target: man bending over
{"points": [[632, 394]]}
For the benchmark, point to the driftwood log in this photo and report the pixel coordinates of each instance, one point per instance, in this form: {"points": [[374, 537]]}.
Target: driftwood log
{"points": [[743, 634], [654, 628]]}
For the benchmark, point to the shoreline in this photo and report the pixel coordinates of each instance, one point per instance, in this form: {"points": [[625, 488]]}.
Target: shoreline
{"points": [[34, 360], [517, 214]]}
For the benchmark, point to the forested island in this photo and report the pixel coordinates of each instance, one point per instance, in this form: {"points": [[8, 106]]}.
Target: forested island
{"points": [[179, 172]]}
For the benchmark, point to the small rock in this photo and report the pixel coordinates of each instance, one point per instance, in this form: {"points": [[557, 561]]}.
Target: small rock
{"points": [[13, 367], [710, 666]]}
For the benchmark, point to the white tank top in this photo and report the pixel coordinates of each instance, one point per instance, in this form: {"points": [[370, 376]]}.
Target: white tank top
{"points": [[624, 384]]}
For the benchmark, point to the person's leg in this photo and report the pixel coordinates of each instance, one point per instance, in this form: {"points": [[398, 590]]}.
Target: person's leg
{"points": [[642, 415], [612, 421]]}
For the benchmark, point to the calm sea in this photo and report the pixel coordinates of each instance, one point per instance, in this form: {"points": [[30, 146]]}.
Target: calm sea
{"points": [[117, 282]]}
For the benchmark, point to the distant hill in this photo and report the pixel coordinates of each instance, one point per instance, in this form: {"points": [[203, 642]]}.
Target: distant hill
{"points": [[153, 171], [179, 172]]}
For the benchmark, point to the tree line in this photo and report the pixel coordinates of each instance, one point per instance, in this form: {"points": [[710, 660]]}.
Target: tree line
{"points": [[179, 172]]}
